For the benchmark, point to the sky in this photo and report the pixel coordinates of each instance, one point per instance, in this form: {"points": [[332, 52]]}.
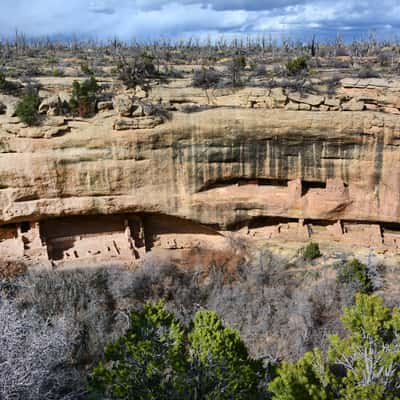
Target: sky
{"points": [[154, 19]]}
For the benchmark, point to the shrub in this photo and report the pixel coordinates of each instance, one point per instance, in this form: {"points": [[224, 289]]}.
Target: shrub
{"points": [[83, 100], [36, 356], [355, 273], [5, 85], [385, 58], [172, 72], [86, 69], [311, 251], [206, 78], [2, 80], [367, 72], [364, 365], [341, 52], [297, 65], [157, 358], [27, 107], [259, 69], [302, 380], [52, 60], [235, 68], [138, 72], [57, 72]]}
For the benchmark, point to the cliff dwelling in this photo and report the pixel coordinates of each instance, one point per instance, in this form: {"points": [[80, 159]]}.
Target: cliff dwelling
{"points": [[125, 237], [130, 236]]}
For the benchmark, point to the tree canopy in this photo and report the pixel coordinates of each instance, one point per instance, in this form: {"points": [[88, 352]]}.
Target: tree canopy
{"points": [[158, 359]]}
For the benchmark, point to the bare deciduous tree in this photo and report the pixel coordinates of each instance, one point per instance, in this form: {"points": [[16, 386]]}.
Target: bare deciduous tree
{"points": [[35, 357]]}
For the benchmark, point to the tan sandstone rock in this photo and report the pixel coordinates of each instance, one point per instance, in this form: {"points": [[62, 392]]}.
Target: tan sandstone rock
{"points": [[105, 105], [282, 175], [310, 99], [49, 104], [136, 123], [353, 105], [278, 98], [123, 104]]}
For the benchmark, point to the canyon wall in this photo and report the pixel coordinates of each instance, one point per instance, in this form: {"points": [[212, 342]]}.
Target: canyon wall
{"points": [[265, 173]]}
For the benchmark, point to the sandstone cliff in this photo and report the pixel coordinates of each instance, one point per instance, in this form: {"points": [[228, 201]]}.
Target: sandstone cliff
{"points": [[265, 172]]}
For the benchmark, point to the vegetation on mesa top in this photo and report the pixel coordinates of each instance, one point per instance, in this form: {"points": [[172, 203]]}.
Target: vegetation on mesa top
{"points": [[82, 103], [7, 86], [83, 100], [27, 107], [254, 62], [259, 62], [364, 58]]}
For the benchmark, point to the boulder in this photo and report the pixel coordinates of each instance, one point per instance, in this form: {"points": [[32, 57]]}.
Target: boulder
{"points": [[372, 107], [54, 121], [353, 105], [310, 99], [50, 105], [39, 132], [3, 108], [10, 103], [104, 105], [331, 102], [391, 110], [123, 104], [137, 110], [140, 93], [11, 109], [304, 107], [121, 124], [65, 97], [149, 109], [292, 106], [278, 98], [370, 83], [390, 101]]}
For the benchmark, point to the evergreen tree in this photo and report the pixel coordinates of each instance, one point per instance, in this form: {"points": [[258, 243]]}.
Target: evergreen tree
{"points": [[364, 365], [158, 359]]}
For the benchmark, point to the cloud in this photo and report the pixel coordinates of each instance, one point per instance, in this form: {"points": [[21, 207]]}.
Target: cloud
{"points": [[149, 19], [101, 7], [221, 5]]}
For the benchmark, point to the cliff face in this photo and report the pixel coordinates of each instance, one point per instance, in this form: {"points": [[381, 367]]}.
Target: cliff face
{"points": [[271, 172], [194, 165]]}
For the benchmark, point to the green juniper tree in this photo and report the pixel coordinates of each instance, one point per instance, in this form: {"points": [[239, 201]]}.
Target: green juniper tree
{"points": [[158, 359], [27, 107], [364, 365], [83, 100]]}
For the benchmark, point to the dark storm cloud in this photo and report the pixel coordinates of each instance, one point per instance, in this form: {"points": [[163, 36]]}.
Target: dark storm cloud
{"points": [[144, 19]]}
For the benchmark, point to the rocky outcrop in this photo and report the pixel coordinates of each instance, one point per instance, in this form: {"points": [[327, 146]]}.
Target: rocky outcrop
{"points": [[9, 104], [51, 105], [121, 124], [123, 104], [49, 127], [352, 95], [262, 173], [135, 113]]}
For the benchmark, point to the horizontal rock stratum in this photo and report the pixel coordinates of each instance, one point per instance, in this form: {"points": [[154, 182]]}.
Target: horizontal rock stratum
{"points": [[226, 168]]}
